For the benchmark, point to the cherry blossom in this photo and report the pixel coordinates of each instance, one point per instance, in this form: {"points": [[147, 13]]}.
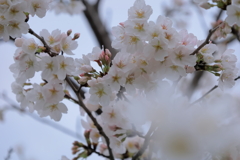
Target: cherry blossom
{"points": [[53, 93], [67, 45], [100, 94], [52, 39], [139, 11], [54, 111], [233, 13]]}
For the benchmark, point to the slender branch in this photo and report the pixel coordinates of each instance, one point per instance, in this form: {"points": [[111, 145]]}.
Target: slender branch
{"points": [[145, 144], [70, 98], [100, 154], [37, 118], [211, 31], [94, 151], [48, 49], [98, 27], [52, 54], [98, 126], [213, 88], [198, 75], [10, 151], [96, 6], [219, 15]]}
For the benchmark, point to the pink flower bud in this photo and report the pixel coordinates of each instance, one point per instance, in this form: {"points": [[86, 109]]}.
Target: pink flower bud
{"points": [[102, 147], [69, 32], [76, 36], [121, 24], [105, 57], [190, 69]]}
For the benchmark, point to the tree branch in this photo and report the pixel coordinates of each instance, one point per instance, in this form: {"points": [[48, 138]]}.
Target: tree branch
{"points": [[91, 150], [48, 49], [210, 32], [37, 118], [212, 89], [198, 75], [98, 27], [70, 98], [96, 6], [98, 126], [10, 151]]}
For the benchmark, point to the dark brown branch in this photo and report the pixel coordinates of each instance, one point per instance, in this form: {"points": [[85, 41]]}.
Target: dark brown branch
{"points": [[98, 27], [219, 15], [212, 89], [236, 33], [95, 122], [211, 31], [91, 150], [48, 49], [96, 5], [70, 98]]}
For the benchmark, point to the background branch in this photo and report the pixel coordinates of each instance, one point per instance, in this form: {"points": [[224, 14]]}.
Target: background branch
{"points": [[98, 27], [10, 151], [95, 122], [212, 89], [39, 119]]}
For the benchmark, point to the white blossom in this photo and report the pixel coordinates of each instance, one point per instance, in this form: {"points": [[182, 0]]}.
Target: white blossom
{"points": [[233, 13], [139, 11], [54, 110], [67, 45], [100, 94]]}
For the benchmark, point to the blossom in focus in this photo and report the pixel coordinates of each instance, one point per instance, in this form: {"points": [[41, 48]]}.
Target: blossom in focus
{"points": [[233, 13]]}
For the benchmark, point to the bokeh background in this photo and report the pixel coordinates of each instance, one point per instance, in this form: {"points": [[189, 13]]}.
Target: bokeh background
{"points": [[38, 139]]}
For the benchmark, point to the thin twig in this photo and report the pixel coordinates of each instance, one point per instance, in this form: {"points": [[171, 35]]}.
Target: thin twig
{"points": [[98, 126], [37, 118], [145, 144], [211, 31], [10, 151], [213, 88], [48, 49], [235, 32], [94, 151], [70, 98]]}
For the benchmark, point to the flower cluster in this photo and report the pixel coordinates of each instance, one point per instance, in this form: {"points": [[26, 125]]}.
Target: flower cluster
{"points": [[29, 59], [14, 16], [150, 52], [132, 90]]}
